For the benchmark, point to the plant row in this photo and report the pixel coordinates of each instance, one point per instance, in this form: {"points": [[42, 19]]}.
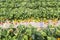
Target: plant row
{"points": [[30, 33], [28, 0], [30, 4], [25, 13], [26, 9]]}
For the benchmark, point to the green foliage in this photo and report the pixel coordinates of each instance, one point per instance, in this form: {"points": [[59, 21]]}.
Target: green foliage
{"points": [[26, 33], [24, 9]]}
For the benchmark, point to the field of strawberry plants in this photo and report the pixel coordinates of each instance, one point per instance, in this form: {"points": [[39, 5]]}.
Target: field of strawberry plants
{"points": [[29, 19]]}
